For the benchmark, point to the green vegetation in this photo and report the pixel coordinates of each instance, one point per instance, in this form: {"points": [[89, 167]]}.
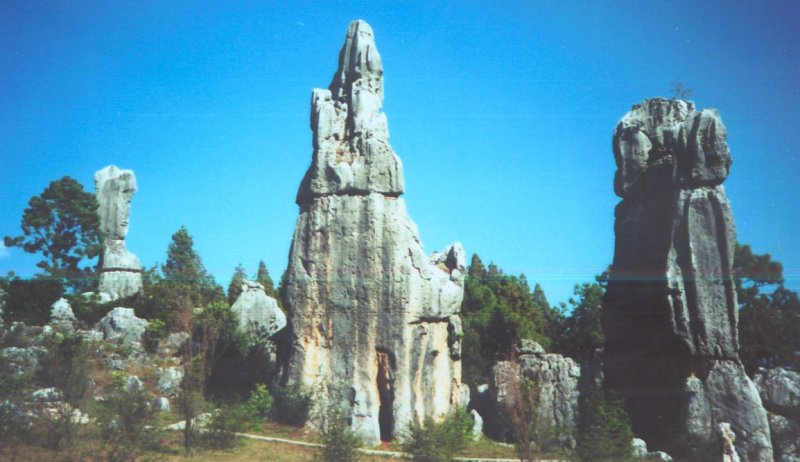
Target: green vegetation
{"points": [[438, 441], [605, 432], [235, 286], [770, 320], [292, 404], [62, 225], [29, 301], [339, 442], [497, 312]]}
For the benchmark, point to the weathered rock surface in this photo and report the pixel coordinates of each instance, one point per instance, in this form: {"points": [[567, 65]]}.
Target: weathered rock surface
{"points": [[62, 316], [670, 307], [257, 312], [375, 322], [122, 324], [169, 382], [780, 392], [120, 270], [555, 380]]}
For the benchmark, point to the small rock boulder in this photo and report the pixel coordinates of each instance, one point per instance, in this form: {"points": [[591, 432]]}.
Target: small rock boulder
{"points": [[169, 381], [257, 312], [122, 324]]}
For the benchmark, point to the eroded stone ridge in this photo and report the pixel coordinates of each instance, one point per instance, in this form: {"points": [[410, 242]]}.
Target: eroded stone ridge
{"points": [[375, 321], [670, 308], [120, 270]]}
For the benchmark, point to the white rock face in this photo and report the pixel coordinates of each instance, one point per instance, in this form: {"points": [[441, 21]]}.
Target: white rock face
{"points": [[121, 272], [122, 324], [258, 312], [61, 315], [375, 321], [170, 381]]}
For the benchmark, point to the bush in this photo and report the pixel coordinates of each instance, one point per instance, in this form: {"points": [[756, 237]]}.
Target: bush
{"points": [[339, 442], [156, 331], [29, 301], [605, 431], [438, 441], [260, 400], [226, 422], [130, 430], [66, 366], [292, 404]]}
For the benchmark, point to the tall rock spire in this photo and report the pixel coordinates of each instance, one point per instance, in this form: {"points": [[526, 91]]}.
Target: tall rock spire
{"points": [[375, 322], [671, 312], [120, 270], [350, 134]]}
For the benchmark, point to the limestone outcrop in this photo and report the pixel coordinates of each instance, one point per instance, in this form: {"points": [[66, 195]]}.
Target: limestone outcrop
{"points": [[375, 322], [120, 270], [670, 312], [122, 325], [780, 392], [555, 391], [257, 312]]}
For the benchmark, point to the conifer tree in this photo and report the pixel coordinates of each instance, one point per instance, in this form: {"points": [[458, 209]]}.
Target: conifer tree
{"points": [[263, 278], [235, 287]]}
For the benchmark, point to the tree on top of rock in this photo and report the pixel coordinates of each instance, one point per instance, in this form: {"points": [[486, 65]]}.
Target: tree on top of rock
{"points": [[62, 224]]}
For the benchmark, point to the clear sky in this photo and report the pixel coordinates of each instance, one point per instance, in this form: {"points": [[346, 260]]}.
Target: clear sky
{"points": [[501, 111]]}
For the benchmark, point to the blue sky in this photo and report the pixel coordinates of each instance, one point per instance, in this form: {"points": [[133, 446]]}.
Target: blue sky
{"points": [[502, 114]]}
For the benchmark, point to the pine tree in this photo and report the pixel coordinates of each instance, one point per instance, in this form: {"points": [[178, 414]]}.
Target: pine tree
{"points": [[476, 268], [63, 226], [235, 287], [185, 269], [263, 278]]}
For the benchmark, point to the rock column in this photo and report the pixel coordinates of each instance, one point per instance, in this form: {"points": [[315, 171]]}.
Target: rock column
{"points": [[671, 308], [120, 270], [375, 322]]}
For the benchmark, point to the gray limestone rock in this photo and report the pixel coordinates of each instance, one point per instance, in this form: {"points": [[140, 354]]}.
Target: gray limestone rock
{"points": [[555, 380], [257, 312], [780, 391], [171, 345], [670, 309], [728, 439], [477, 425], [375, 321], [169, 382], [120, 272], [122, 324], [161, 404], [61, 315]]}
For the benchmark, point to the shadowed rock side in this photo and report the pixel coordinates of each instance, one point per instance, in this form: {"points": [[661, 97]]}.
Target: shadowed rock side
{"points": [[120, 270], [670, 307], [375, 321]]}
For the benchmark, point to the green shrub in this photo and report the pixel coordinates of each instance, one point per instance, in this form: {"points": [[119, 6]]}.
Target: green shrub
{"points": [[130, 429], [66, 366], [155, 332], [605, 431], [292, 404], [29, 300], [339, 442], [438, 441], [226, 422], [260, 400]]}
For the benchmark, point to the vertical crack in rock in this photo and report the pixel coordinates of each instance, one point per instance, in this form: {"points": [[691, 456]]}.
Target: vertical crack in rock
{"points": [[670, 308], [120, 270], [357, 267]]}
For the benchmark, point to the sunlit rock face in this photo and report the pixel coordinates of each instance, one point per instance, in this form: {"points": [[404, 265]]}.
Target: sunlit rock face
{"points": [[375, 321], [670, 306], [120, 270]]}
